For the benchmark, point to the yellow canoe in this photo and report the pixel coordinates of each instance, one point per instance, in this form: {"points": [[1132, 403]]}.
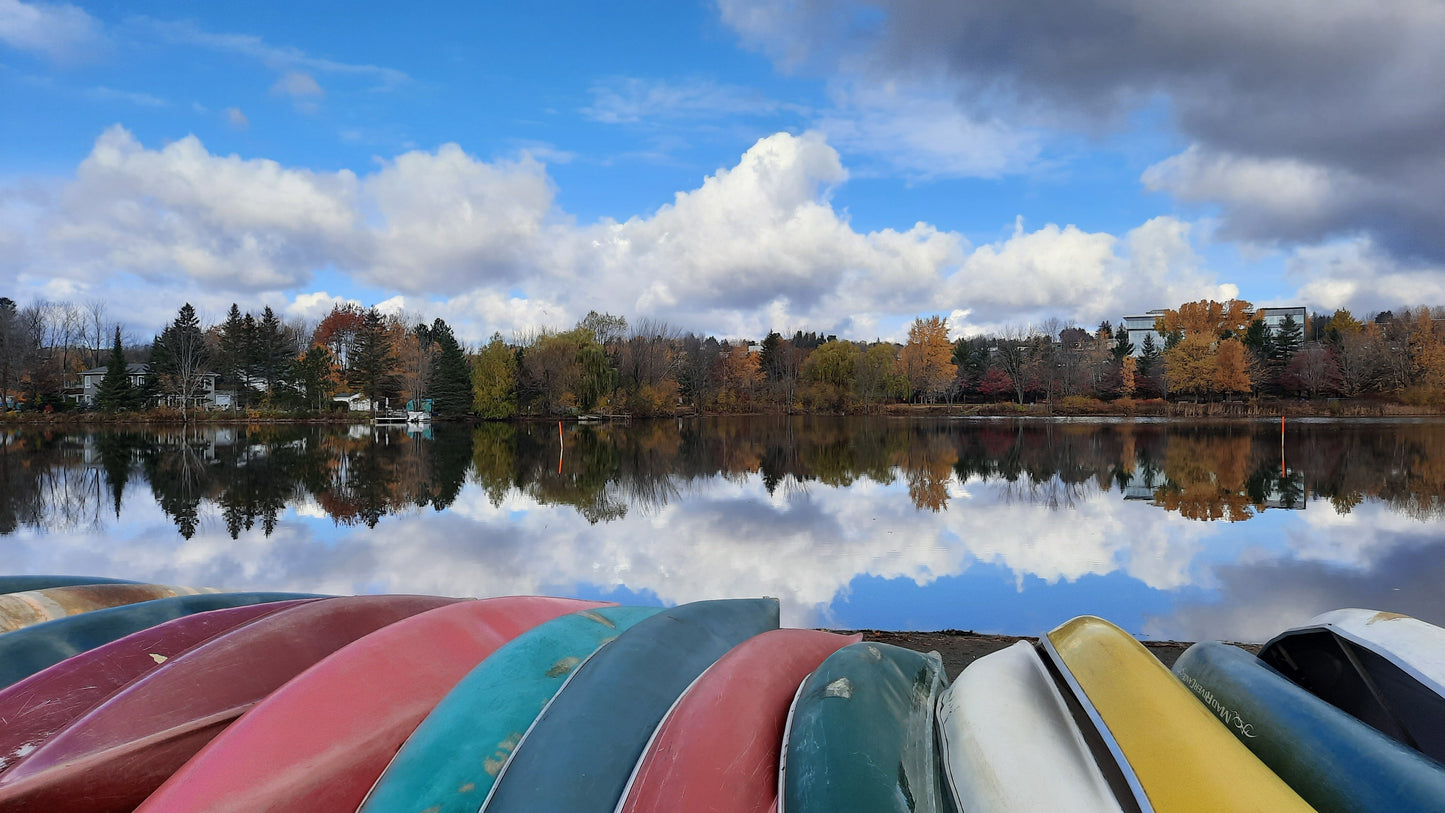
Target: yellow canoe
{"points": [[28, 607], [1176, 755]]}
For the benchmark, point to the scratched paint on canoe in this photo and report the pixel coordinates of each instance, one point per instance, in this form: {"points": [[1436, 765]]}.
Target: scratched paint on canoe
{"points": [[617, 697], [319, 743], [720, 744], [29, 607], [481, 721], [119, 752], [35, 708], [1173, 744], [861, 735], [40, 646]]}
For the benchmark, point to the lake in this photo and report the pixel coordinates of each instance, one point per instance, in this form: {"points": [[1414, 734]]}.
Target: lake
{"points": [[1171, 530]]}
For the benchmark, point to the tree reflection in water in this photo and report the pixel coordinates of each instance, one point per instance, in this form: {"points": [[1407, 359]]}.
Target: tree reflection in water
{"points": [[248, 476]]}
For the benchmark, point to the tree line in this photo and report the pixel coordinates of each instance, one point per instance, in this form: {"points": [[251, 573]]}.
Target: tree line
{"points": [[603, 364]]}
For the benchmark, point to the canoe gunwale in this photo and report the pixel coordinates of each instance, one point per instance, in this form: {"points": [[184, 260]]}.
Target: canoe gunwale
{"points": [[1128, 790], [651, 738], [1363, 642], [787, 736]]}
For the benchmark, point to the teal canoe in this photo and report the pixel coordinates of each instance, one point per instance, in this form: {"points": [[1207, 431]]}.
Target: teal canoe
{"points": [[861, 735], [1332, 760], [580, 751], [20, 584], [448, 764], [28, 650]]}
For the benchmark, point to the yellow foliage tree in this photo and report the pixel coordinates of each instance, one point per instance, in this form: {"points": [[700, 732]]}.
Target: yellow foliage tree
{"points": [[1189, 366], [1231, 373], [1207, 317], [927, 359]]}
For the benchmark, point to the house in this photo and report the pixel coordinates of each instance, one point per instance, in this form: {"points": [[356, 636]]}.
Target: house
{"points": [[207, 396], [355, 402]]}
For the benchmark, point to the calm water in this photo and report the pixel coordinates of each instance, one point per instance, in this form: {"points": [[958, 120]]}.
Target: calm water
{"points": [[1171, 531]]}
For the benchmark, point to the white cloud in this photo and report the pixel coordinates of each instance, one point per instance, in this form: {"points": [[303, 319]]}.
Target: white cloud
{"points": [[60, 31], [628, 100], [106, 94], [236, 118], [756, 246], [1358, 275]]}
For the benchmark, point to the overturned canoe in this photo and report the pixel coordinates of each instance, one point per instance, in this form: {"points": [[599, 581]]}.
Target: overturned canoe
{"points": [[17, 584], [718, 748], [319, 743], [1172, 750], [1332, 760], [27, 651], [860, 736], [29, 607], [1384, 668], [579, 753], [448, 764], [111, 758], [1009, 741], [46, 702]]}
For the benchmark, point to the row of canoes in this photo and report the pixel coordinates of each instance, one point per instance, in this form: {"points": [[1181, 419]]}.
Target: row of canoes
{"points": [[260, 701]]}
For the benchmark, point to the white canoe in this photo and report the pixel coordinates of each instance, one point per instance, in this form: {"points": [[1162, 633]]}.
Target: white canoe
{"points": [[1384, 668], [1010, 744]]}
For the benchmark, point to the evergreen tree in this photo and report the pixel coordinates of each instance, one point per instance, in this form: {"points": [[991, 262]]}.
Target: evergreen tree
{"points": [[179, 358], [234, 362], [769, 356], [451, 383], [373, 371], [1287, 340], [1123, 348], [1149, 354], [272, 353], [115, 392]]}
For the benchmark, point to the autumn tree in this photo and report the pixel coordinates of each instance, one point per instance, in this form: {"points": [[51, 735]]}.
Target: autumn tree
{"points": [[339, 332], [875, 375], [1217, 320], [1189, 366], [1231, 374], [926, 360], [828, 373]]}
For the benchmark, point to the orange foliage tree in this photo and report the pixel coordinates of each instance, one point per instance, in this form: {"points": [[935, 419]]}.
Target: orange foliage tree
{"points": [[927, 359]]}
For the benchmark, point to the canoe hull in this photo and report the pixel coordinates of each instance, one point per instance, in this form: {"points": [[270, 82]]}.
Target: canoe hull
{"points": [[448, 764], [721, 744], [117, 754], [18, 610], [1334, 761], [1009, 741], [27, 651], [861, 735], [319, 742], [618, 697]]}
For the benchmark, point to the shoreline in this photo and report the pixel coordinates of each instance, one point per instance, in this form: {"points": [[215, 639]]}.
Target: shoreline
{"points": [[959, 648]]}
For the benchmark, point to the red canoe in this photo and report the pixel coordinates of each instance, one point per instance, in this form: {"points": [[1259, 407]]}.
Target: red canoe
{"points": [[718, 748], [113, 757], [320, 742], [51, 699]]}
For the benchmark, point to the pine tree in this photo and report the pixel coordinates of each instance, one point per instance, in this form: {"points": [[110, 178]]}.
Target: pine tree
{"points": [[115, 392], [272, 354], [1149, 354], [237, 335], [450, 385], [1287, 340], [373, 372], [179, 358]]}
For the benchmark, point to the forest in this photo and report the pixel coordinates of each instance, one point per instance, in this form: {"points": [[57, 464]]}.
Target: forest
{"points": [[604, 365]]}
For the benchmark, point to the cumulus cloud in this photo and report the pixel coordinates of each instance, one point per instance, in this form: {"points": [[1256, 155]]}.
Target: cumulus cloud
{"points": [[59, 31], [1358, 275], [1331, 110], [754, 247]]}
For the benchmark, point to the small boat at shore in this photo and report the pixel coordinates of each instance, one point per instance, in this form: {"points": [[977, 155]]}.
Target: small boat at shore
{"points": [[579, 753], [48, 701], [320, 742], [861, 737], [1332, 760], [721, 743], [1009, 741], [448, 764], [1174, 754], [40, 646], [1384, 668], [19, 610], [114, 756]]}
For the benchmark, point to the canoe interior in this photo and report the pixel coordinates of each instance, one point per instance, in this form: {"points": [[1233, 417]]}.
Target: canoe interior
{"points": [[1364, 684]]}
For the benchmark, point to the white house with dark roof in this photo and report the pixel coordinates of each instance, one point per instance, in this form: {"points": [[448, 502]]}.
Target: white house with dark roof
{"points": [[208, 397]]}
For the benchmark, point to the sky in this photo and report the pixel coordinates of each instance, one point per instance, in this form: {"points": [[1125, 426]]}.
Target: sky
{"points": [[727, 167]]}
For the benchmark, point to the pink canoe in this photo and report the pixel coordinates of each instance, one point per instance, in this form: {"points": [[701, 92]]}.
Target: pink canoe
{"points": [[319, 743], [718, 748], [51, 699], [111, 758]]}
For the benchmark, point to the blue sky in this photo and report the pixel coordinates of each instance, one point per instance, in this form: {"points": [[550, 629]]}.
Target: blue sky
{"points": [[728, 167]]}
